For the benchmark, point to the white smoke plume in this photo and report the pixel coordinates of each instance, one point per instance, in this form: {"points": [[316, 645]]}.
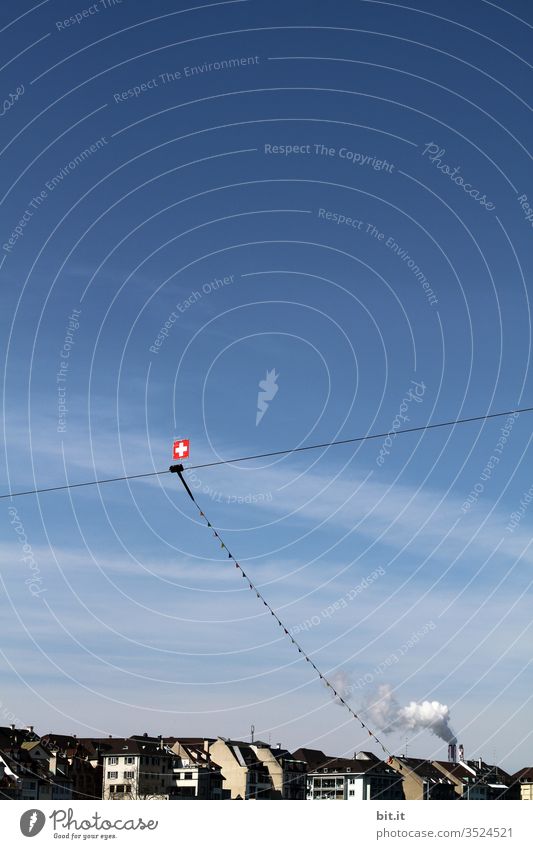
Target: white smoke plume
{"points": [[430, 715], [387, 714], [342, 683]]}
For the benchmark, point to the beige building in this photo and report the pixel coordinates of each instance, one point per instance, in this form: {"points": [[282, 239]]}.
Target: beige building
{"points": [[422, 780], [243, 773], [254, 770], [287, 773]]}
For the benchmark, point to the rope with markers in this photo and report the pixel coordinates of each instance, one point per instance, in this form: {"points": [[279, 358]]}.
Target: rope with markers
{"points": [[179, 469]]}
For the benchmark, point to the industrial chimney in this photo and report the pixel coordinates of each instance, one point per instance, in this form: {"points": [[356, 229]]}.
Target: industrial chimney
{"points": [[461, 752], [452, 752]]}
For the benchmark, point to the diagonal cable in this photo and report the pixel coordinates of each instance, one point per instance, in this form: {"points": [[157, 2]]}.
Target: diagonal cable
{"points": [[179, 469]]}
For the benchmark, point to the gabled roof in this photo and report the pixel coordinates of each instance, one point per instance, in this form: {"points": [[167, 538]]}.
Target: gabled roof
{"points": [[59, 741], [525, 775], [356, 766], [15, 736], [423, 769], [196, 753], [285, 755], [135, 746], [489, 772], [194, 741], [312, 757], [366, 756], [456, 770]]}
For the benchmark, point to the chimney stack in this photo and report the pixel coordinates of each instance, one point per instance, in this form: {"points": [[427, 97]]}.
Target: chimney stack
{"points": [[452, 752], [461, 752]]}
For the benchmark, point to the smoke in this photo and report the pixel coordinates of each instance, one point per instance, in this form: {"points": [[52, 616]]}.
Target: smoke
{"points": [[387, 715], [342, 683], [385, 712], [383, 708], [430, 715]]}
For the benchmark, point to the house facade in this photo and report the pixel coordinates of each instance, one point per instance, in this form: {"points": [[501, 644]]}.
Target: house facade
{"points": [[194, 775], [137, 767], [244, 774], [357, 779], [287, 773], [422, 780]]}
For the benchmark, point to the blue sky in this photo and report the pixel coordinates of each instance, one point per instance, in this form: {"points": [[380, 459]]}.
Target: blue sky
{"points": [[221, 198]]}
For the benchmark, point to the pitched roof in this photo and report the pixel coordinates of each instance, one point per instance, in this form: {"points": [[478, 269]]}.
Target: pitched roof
{"points": [[96, 746], [312, 757], [424, 769], [15, 736], [194, 741], [244, 755], [490, 772], [525, 775], [29, 745], [457, 770], [136, 745], [196, 753], [59, 741], [366, 756], [357, 766]]}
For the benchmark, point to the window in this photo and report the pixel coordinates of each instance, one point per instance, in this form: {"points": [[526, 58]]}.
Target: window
{"points": [[188, 776], [129, 760], [112, 774], [184, 793], [113, 760], [129, 774]]}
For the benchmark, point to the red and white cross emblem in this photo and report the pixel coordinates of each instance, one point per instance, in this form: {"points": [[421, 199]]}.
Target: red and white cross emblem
{"points": [[180, 449]]}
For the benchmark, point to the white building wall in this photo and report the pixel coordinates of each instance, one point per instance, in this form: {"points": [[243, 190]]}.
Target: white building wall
{"points": [[356, 789]]}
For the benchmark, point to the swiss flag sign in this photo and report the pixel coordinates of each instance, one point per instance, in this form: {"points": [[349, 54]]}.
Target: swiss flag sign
{"points": [[180, 449]]}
